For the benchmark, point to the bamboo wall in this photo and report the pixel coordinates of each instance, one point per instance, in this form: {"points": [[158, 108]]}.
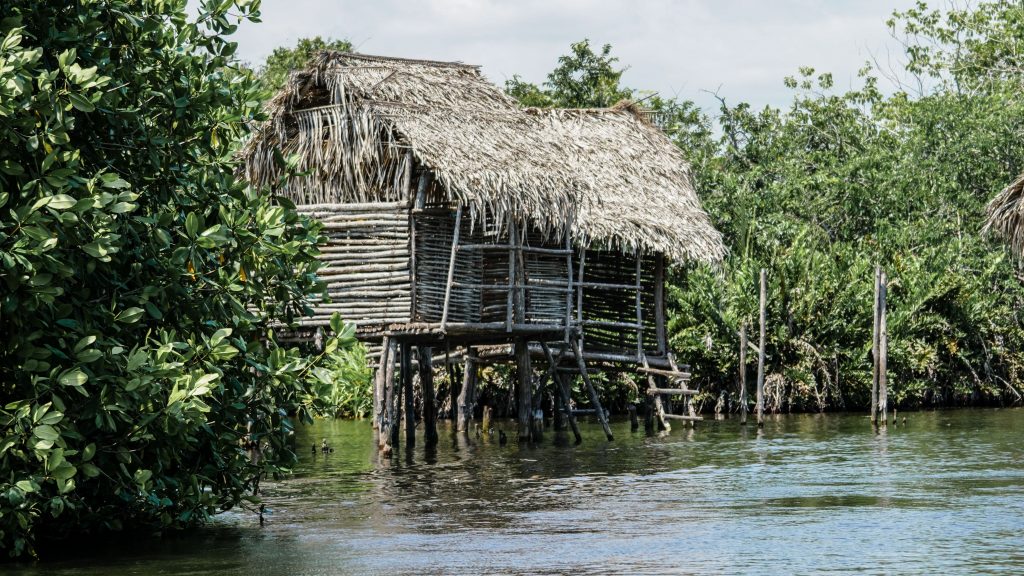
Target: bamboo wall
{"points": [[366, 263]]}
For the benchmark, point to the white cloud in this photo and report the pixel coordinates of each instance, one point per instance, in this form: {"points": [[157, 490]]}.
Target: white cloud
{"points": [[741, 48]]}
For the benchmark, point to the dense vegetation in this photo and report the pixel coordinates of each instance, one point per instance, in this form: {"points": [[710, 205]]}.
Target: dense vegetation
{"points": [[821, 192], [139, 279]]}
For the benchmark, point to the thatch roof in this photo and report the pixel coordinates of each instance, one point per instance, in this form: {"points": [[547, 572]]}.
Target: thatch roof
{"points": [[1006, 215], [608, 173]]}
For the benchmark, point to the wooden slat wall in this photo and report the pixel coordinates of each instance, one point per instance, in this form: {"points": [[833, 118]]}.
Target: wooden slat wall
{"points": [[366, 263]]}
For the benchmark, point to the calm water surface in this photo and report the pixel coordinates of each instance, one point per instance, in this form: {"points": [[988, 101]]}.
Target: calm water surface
{"points": [[809, 494]]}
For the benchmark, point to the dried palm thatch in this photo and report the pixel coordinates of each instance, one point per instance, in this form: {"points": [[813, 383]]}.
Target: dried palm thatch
{"points": [[608, 173], [1006, 215]]}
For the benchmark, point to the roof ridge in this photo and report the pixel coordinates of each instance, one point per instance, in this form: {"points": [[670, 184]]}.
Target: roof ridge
{"points": [[396, 60]]}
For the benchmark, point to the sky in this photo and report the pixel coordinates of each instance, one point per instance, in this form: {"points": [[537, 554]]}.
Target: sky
{"points": [[691, 49]]}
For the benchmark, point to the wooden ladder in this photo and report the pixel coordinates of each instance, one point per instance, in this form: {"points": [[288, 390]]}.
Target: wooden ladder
{"points": [[676, 377]]}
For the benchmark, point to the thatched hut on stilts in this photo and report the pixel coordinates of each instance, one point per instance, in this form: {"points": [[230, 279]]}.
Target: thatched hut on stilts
{"points": [[459, 221]]}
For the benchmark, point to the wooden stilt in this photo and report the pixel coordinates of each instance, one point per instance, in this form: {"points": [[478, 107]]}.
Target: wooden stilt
{"points": [[387, 437], [634, 423], [883, 350], [594, 400], [524, 390], [467, 395], [562, 388], [874, 347], [761, 345], [743, 374], [378, 383], [425, 360], [396, 404], [408, 410], [487, 417]]}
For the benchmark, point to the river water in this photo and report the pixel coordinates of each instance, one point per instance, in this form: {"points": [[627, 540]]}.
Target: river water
{"points": [[943, 493]]}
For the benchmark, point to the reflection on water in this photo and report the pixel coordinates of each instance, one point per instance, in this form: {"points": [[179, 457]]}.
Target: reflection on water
{"points": [[810, 493]]}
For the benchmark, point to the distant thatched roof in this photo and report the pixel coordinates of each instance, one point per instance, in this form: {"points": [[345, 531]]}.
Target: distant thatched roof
{"points": [[1006, 215], [608, 173]]}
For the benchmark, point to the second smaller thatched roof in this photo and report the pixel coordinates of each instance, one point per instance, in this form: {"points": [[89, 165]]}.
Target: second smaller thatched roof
{"points": [[1006, 215]]}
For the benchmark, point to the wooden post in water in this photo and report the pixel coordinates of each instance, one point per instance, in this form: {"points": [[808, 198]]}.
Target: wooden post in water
{"points": [[760, 352], [424, 357], [468, 393], [524, 389], [408, 410], [875, 331], [378, 384], [743, 374], [883, 350], [388, 417], [396, 402], [634, 423], [486, 418]]}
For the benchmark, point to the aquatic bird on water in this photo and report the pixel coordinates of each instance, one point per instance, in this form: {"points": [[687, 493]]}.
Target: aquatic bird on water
{"points": [[502, 439], [325, 448]]}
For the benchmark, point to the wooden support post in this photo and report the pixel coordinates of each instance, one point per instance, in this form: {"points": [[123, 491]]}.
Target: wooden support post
{"points": [[524, 389], [453, 393], [594, 400], [639, 310], [510, 297], [396, 410], [467, 396], [387, 437], [407, 386], [558, 416], [487, 417], [378, 383], [634, 423], [394, 402], [568, 286], [883, 350], [761, 344], [562, 388], [874, 347], [659, 303], [424, 355], [451, 268], [743, 374]]}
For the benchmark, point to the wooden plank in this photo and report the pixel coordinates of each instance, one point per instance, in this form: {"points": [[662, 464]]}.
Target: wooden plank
{"points": [[685, 418], [672, 391], [668, 373]]}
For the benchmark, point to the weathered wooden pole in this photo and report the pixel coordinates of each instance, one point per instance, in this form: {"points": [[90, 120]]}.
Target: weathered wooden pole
{"points": [[408, 411], [874, 346], [388, 420], [760, 352], [594, 400], [524, 389], [378, 383], [487, 417], [634, 423], [394, 401], [883, 350], [743, 374], [468, 393], [425, 358]]}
